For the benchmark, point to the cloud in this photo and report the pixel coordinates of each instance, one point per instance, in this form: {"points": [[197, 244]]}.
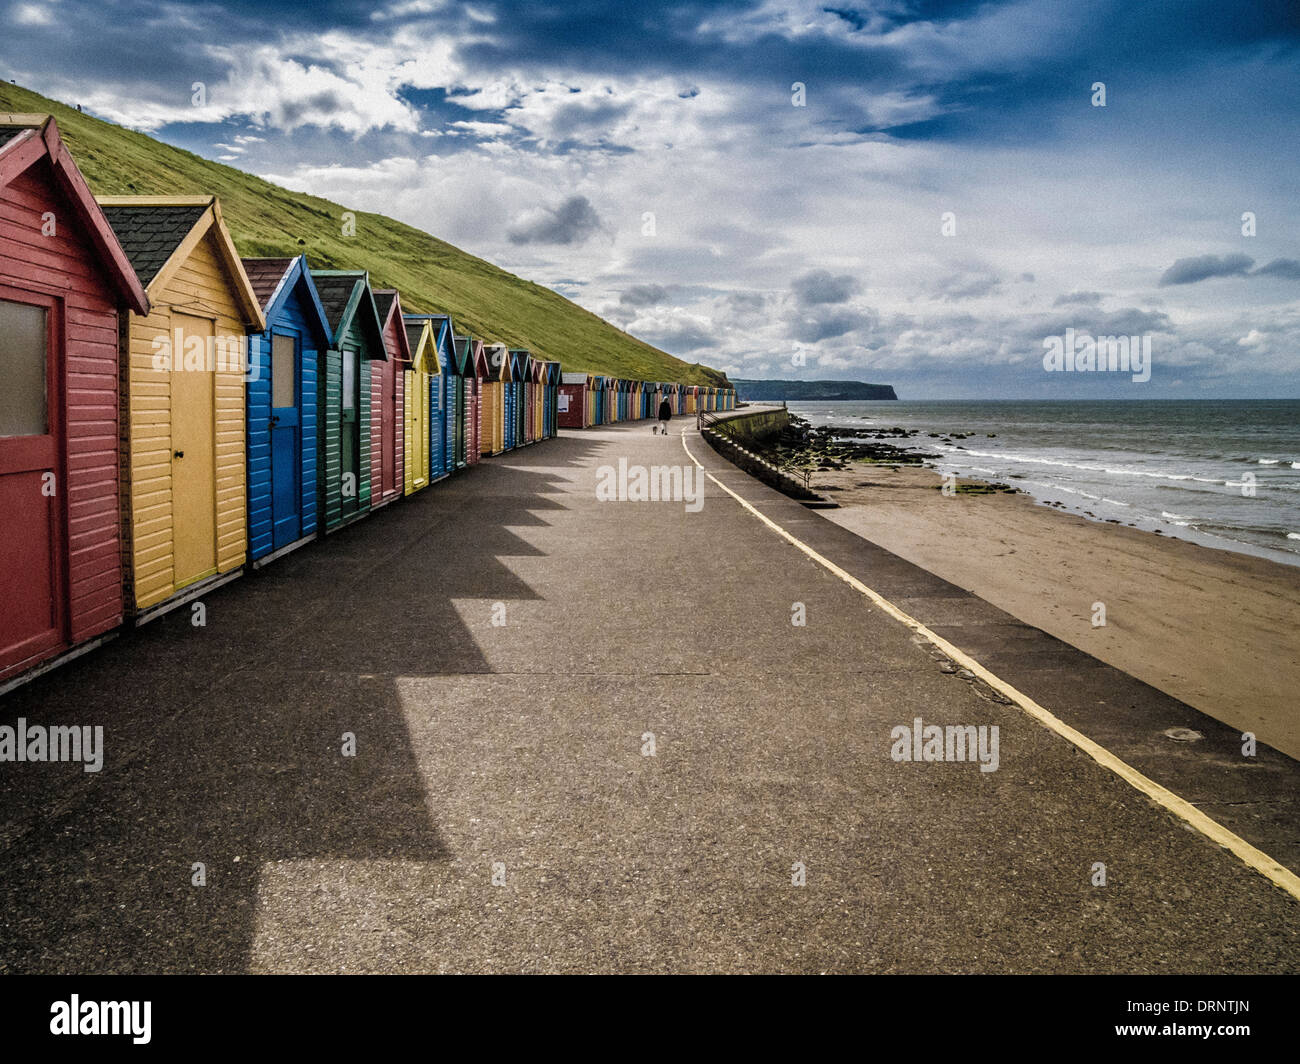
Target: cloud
{"points": [[1203, 267], [1083, 299], [818, 287], [643, 295], [573, 222], [967, 286], [814, 327], [1287, 268]]}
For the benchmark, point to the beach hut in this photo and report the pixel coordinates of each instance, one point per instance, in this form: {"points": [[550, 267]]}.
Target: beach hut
{"points": [[522, 369], [462, 393], [476, 380], [573, 409], [690, 391], [281, 406], [388, 403], [596, 399], [422, 379], [514, 392], [442, 430], [611, 400], [344, 431], [539, 399], [185, 505], [551, 413], [64, 279], [494, 397]]}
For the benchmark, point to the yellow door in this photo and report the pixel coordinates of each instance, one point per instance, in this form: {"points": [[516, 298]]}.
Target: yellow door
{"points": [[194, 484], [419, 428]]}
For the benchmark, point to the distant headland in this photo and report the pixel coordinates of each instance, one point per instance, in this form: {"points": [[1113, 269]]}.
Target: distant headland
{"points": [[799, 391]]}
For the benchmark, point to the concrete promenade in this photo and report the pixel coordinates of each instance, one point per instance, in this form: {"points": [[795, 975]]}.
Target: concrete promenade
{"points": [[507, 649]]}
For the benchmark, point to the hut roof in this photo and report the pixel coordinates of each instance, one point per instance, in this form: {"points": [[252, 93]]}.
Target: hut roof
{"points": [[24, 139]]}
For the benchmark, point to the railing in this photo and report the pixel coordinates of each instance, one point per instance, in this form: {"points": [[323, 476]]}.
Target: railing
{"points": [[705, 419]]}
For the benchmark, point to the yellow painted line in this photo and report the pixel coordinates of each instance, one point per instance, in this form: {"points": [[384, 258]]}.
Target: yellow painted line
{"points": [[1255, 858]]}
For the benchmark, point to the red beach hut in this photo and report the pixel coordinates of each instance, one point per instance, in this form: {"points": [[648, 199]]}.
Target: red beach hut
{"points": [[64, 279], [388, 404]]}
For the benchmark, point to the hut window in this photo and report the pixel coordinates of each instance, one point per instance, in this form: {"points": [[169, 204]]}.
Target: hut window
{"points": [[350, 367], [24, 346], [283, 353]]}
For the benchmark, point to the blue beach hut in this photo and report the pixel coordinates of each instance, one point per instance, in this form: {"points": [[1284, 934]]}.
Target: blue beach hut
{"points": [[281, 405]]}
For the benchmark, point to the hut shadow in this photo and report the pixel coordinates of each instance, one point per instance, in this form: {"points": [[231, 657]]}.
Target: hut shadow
{"points": [[225, 740]]}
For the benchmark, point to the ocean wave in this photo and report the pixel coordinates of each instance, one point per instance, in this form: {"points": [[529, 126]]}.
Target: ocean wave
{"points": [[1268, 461], [1112, 470]]}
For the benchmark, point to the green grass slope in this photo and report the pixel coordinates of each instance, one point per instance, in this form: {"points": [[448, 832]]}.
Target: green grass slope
{"points": [[432, 275]]}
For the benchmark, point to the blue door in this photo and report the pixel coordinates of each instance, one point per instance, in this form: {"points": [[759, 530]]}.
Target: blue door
{"points": [[286, 440]]}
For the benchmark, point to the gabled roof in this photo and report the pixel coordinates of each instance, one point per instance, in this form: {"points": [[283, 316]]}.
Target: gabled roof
{"points": [[480, 360], [443, 335], [464, 355], [159, 233], [389, 305], [275, 280], [345, 294], [422, 342], [25, 139], [500, 365]]}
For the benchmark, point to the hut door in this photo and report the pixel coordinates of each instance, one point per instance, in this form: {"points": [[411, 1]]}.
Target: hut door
{"points": [[193, 459], [420, 428], [349, 437], [32, 577], [389, 416], [285, 440]]}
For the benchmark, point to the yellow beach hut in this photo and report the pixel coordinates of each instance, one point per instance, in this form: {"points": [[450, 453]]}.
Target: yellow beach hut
{"points": [[420, 377], [184, 511]]}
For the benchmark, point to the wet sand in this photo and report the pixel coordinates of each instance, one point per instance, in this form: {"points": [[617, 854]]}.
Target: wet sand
{"points": [[1218, 630]]}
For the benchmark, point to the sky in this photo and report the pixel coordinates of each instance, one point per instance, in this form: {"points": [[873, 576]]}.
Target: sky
{"points": [[913, 192]]}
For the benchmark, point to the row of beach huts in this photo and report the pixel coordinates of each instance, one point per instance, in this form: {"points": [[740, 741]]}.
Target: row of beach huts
{"points": [[171, 414]]}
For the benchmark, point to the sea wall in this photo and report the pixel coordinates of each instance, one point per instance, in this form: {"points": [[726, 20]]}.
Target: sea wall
{"points": [[732, 437], [756, 426]]}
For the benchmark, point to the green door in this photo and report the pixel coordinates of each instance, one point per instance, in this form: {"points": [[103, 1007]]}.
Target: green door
{"points": [[349, 431]]}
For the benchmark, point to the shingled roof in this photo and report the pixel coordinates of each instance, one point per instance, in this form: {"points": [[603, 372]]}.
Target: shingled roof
{"points": [[149, 233], [265, 276], [335, 290], [384, 302]]}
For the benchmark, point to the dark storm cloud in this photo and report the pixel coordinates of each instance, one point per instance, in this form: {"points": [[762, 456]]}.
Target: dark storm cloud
{"points": [[813, 327], [679, 338], [1286, 268], [1203, 267], [573, 222], [817, 287], [643, 295]]}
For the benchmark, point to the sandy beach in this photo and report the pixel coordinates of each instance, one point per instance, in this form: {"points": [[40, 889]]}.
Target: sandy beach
{"points": [[1218, 630]]}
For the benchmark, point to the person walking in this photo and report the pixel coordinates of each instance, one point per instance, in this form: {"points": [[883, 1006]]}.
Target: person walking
{"points": [[665, 415]]}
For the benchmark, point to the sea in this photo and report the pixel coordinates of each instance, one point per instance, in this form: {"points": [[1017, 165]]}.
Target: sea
{"points": [[1222, 473]]}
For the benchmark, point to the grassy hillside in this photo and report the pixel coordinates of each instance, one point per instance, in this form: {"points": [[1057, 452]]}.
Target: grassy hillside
{"points": [[266, 219]]}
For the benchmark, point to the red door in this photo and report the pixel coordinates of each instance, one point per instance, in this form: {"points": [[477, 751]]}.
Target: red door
{"points": [[33, 574]]}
